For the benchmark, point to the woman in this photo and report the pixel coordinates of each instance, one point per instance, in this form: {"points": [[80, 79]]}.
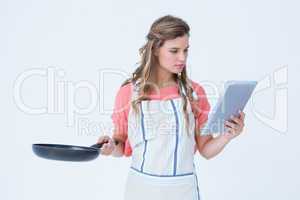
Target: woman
{"points": [[158, 115]]}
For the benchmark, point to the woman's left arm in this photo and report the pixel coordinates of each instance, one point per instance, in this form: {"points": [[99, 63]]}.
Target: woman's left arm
{"points": [[210, 147]]}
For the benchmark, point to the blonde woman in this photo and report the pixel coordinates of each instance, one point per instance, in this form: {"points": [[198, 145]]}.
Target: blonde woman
{"points": [[158, 115]]}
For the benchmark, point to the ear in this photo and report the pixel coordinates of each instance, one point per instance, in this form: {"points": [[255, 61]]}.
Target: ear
{"points": [[156, 51]]}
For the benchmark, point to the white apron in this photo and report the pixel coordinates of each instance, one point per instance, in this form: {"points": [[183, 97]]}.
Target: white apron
{"points": [[162, 152]]}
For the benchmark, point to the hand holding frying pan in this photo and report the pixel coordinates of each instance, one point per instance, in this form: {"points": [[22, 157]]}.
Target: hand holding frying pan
{"points": [[64, 152]]}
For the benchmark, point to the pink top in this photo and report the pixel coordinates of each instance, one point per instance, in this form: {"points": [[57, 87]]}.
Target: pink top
{"points": [[200, 108]]}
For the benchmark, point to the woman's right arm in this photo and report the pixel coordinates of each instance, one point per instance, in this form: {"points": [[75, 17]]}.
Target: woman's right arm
{"points": [[115, 146]]}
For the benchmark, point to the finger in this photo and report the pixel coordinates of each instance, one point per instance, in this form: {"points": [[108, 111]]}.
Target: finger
{"points": [[100, 139], [107, 146], [103, 139], [242, 115], [104, 147], [229, 132], [103, 150], [231, 125], [110, 142], [236, 120], [102, 142], [236, 130]]}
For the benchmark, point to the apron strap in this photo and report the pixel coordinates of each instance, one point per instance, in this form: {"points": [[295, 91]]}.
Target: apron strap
{"points": [[135, 91]]}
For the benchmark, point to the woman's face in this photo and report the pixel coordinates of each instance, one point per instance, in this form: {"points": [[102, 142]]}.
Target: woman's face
{"points": [[172, 55]]}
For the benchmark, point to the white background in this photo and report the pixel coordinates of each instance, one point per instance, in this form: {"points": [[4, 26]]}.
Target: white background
{"points": [[239, 40]]}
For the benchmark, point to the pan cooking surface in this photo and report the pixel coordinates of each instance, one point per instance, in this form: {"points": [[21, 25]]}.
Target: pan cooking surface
{"points": [[65, 152]]}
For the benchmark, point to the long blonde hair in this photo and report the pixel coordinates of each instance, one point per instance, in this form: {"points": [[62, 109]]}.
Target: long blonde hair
{"points": [[165, 28]]}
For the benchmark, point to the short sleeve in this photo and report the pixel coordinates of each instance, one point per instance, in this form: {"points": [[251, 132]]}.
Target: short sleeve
{"points": [[120, 116], [200, 106]]}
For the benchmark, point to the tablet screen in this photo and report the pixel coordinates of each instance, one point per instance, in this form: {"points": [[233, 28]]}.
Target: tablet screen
{"points": [[235, 97]]}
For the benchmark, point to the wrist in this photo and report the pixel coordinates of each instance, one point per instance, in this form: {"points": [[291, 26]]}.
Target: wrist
{"points": [[225, 138], [118, 150]]}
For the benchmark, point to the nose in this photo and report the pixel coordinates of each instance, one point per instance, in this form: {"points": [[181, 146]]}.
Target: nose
{"points": [[182, 57]]}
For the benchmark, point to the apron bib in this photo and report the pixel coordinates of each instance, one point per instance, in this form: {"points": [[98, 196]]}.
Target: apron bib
{"points": [[163, 146]]}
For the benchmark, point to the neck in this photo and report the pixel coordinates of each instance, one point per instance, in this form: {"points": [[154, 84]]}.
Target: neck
{"points": [[161, 77]]}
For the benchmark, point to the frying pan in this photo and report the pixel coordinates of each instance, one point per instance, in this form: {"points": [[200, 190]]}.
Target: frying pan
{"points": [[64, 152]]}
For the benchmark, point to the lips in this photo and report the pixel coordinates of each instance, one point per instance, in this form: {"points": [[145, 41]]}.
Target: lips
{"points": [[180, 66]]}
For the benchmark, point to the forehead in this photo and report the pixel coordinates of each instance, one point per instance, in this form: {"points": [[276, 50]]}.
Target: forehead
{"points": [[179, 42]]}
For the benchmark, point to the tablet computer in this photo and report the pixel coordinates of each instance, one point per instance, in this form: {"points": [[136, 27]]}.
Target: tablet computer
{"points": [[233, 99]]}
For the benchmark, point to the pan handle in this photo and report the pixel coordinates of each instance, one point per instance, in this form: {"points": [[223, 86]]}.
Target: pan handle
{"points": [[100, 145]]}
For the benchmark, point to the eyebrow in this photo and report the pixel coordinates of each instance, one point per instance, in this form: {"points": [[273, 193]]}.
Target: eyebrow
{"points": [[179, 48]]}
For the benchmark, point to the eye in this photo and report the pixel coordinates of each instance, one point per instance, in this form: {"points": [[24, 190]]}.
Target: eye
{"points": [[186, 50], [174, 51]]}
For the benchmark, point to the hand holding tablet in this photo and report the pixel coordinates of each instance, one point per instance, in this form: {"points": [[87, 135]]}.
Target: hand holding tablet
{"points": [[234, 99]]}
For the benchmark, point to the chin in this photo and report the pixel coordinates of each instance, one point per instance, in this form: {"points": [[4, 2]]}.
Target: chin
{"points": [[176, 71]]}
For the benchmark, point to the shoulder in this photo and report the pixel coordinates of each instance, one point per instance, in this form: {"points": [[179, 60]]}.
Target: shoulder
{"points": [[123, 97], [201, 103], [124, 92], [126, 89], [198, 88]]}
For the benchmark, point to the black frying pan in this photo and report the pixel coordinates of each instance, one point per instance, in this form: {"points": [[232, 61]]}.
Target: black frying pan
{"points": [[67, 152]]}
